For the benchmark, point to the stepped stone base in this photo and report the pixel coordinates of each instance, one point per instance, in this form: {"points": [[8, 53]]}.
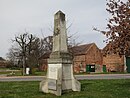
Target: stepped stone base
{"points": [[59, 77]]}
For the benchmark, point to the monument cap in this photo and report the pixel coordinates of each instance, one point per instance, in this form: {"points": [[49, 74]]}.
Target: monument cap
{"points": [[60, 15]]}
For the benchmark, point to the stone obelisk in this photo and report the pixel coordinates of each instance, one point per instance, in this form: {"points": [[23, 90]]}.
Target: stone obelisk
{"points": [[60, 76]]}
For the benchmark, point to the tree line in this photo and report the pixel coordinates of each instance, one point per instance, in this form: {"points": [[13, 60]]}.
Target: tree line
{"points": [[27, 49]]}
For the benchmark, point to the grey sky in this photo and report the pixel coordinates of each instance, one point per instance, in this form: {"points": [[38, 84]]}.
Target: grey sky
{"points": [[34, 15]]}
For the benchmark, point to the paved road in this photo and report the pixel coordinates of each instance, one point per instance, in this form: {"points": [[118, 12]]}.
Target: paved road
{"points": [[103, 76], [79, 77]]}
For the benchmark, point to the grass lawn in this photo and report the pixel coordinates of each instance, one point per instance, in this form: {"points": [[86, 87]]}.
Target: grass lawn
{"points": [[9, 72], [90, 89]]}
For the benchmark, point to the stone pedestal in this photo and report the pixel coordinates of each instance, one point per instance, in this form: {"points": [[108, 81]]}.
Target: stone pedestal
{"points": [[60, 75]]}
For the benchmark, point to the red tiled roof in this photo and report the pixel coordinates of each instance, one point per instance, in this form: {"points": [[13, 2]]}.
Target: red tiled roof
{"points": [[1, 59], [82, 49], [76, 50]]}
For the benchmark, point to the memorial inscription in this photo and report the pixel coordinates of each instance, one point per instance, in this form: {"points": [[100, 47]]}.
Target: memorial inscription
{"points": [[52, 84]]}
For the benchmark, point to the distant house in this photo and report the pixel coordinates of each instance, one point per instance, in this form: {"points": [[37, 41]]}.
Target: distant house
{"points": [[87, 57], [3, 62], [113, 62], [43, 61]]}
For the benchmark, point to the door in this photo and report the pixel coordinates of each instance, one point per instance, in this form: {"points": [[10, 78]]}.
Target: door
{"points": [[92, 68], [87, 68], [104, 68], [128, 64]]}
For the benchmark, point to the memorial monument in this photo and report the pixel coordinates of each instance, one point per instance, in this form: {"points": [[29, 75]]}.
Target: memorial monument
{"points": [[60, 76]]}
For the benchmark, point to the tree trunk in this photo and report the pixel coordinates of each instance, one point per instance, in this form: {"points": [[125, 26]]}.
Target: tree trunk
{"points": [[23, 65]]}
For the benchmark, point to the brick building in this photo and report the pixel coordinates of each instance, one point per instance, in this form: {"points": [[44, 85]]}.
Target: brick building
{"points": [[113, 62], [3, 62], [43, 61], [83, 55], [87, 57]]}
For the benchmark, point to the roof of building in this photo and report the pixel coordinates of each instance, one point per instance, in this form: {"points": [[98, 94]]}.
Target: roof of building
{"points": [[81, 49], [76, 50], [45, 55], [109, 50], [1, 59]]}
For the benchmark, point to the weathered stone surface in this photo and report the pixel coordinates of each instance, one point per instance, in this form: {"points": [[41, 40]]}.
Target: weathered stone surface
{"points": [[59, 36], [53, 70], [60, 71], [52, 84], [67, 71]]}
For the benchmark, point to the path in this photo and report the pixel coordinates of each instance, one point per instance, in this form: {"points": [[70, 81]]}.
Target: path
{"points": [[79, 77]]}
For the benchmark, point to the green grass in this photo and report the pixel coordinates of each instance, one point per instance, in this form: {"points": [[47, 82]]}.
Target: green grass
{"points": [[8, 72], [40, 73], [93, 73], [90, 89], [43, 73], [11, 73]]}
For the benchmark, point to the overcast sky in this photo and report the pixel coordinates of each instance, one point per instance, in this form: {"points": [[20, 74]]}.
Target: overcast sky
{"points": [[36, 16]]}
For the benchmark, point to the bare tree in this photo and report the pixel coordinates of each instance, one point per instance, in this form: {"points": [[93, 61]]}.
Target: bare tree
{"points": [[13, 56], [72, 38], [47, 43], [28, 49], [25, 42]]}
